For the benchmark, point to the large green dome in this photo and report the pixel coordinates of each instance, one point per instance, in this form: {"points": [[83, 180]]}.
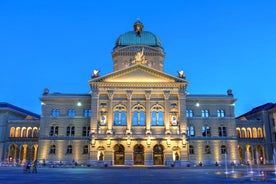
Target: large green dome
{"points": [[138, 37]]}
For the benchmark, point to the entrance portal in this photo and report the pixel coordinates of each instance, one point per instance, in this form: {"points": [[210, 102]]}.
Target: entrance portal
{"points": [[158, 155], [138, 154], [119, 154]]}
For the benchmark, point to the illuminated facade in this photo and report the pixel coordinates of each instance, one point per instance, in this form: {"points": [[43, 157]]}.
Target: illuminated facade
{"points": [[256, 132], [19, 132], [137, 115]]}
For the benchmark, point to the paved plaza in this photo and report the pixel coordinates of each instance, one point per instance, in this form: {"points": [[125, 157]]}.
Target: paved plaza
{"points": [[138, 175]]}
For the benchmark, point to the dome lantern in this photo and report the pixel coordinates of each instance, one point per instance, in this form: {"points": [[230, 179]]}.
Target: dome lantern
{"points": [[138, 27]]}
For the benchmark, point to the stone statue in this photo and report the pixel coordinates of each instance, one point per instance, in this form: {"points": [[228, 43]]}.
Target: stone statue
{"points": [[181, 74], [95, 73], [139, 58]]}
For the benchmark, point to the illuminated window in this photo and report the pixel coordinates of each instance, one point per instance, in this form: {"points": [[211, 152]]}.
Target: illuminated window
{"points": [[138, 116], [87, 113], [204, 113], [222, 131], [206, 131], [220, 113], [189, 113], [85, 149], [53, 130], [69, 149], [191, 150], [207, 149], [223, 149], [238, 132], [55, 112], [52, 149], [157, 116], [71, 112], [119, 115], [70, 131], [190, 131]]}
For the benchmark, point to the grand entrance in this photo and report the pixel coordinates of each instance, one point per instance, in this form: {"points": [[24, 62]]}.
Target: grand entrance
{"points": [[138, 154], [158, 155], [119, 154]]}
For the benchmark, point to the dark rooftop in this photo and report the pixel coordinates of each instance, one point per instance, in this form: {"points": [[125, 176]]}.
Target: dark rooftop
{"points": [[4, 105]]}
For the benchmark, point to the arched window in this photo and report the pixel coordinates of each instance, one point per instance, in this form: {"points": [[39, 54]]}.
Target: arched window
{"points": [[260, 133], [243, 133], [249, 133], [191, 150], [207, 149], [30, 132], [12, 132], [138, 115], [254, 132], [35, 132], [223, 149], [238, 132], [24, 132], [157, 115], [17, 132], [119, 115]]}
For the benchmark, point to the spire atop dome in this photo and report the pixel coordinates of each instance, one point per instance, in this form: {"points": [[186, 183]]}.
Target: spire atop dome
{"points": [[138, 26]]}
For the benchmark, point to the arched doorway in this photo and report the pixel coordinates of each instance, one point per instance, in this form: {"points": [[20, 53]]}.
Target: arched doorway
{"points": [[119, 154], [259, 154], [158, 155], [13, 152], [138, 154]]}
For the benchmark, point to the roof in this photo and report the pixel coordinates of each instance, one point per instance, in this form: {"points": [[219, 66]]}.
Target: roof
{"points": [[144, 38], [7, 106], [263, 107]]}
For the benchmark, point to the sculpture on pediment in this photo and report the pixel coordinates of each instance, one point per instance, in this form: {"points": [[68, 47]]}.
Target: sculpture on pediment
{"points": [[95, 73], [181, 74], [139, 58]]}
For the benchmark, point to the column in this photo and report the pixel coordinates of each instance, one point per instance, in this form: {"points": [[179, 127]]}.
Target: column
{"points": [[148, 118], [182, 109], [94, 111], [167, 111], [129, 95], [110, 112]]}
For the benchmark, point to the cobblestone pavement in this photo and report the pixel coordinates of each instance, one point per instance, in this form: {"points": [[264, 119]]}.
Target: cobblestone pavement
{"points": [[137, 175]]}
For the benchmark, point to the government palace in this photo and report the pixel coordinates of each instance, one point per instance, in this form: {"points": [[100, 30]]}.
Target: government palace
{"points": [[137, 115]]}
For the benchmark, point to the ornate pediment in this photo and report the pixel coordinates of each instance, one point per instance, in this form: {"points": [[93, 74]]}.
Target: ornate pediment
{"points": [[138, 73]]}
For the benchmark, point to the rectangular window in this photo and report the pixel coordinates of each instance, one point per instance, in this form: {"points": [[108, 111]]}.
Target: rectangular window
{"points": [[71, 112], [69, 149], [206, 131], [55, 112], [189, 113], [85, 149], [70, 131], [191, 131], [220, 113], [204, 113], [87, 113], [222, 131]]}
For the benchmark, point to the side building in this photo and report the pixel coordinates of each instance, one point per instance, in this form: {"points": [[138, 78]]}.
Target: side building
{"points": [[256, 132], [137, 115], [19, 133]]}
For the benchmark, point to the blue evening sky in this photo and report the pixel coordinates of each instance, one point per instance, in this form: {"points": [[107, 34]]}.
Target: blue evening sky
{"points": [[219, 44]]}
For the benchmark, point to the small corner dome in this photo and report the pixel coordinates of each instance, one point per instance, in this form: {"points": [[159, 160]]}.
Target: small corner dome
{"points": [[138, 37]]}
